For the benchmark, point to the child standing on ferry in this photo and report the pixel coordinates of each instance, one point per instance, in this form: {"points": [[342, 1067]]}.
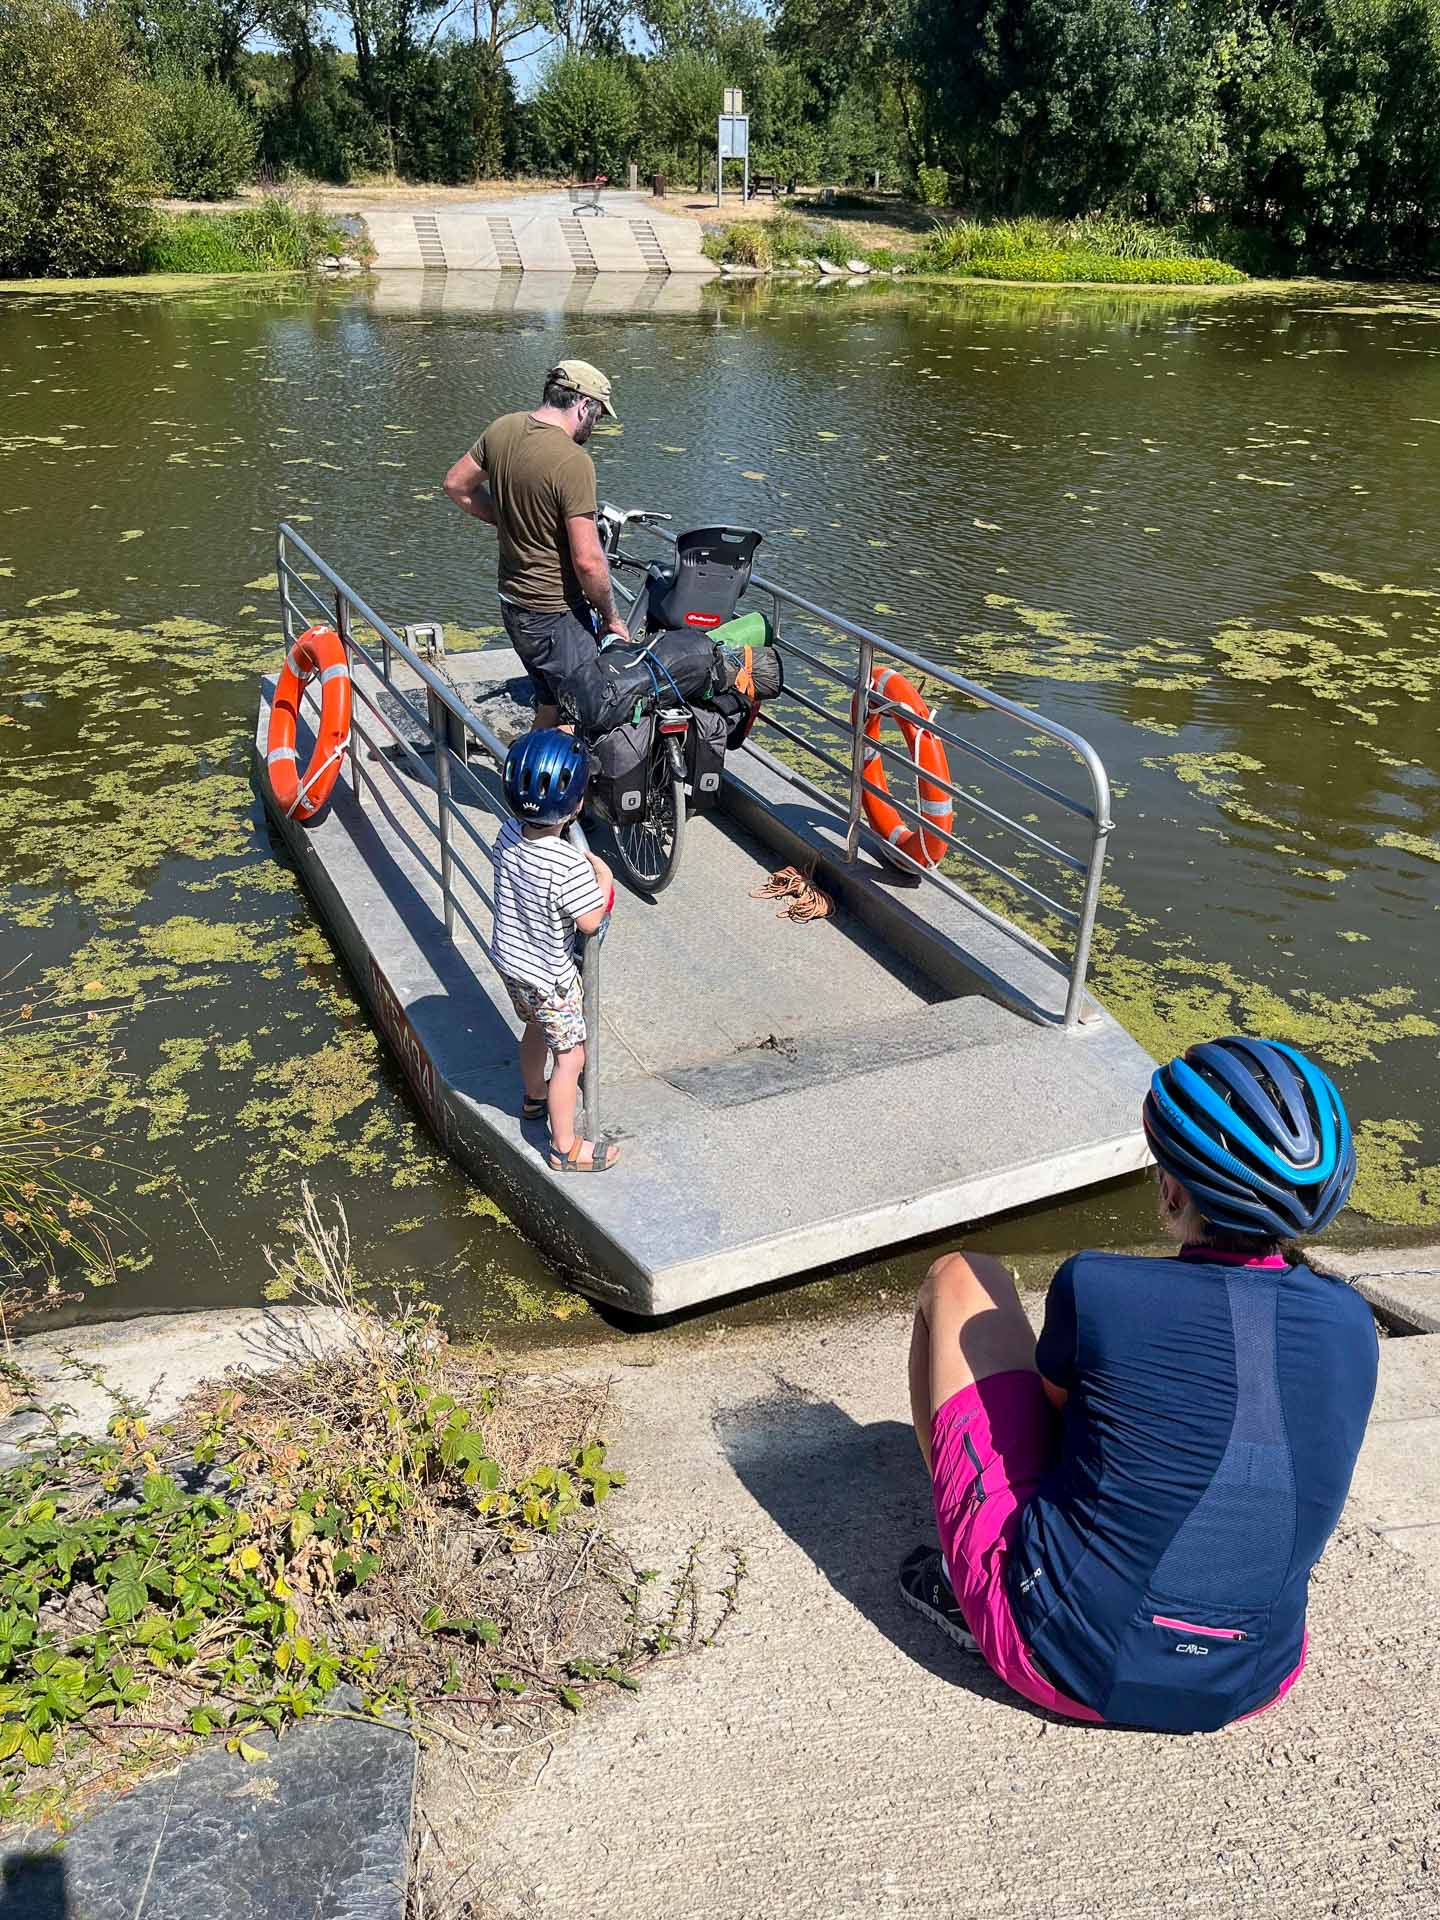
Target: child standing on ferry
{"points": [[546, 892]]}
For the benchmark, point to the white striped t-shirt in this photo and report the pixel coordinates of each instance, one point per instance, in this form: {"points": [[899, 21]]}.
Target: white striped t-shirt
{"points": [[541, 887]]}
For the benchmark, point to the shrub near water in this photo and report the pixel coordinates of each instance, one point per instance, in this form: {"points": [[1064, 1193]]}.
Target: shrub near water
{"points": [[205, 140], [272, 237], [418, 1526], [1047, 250], [74, 158]]}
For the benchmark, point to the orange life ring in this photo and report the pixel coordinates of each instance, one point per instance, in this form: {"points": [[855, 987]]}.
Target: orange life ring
{"points": [[318, 650], [927, 750]]}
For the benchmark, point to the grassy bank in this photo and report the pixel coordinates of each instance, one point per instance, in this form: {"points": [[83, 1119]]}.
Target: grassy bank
{"points": [[1121, 252], [273, 236]]}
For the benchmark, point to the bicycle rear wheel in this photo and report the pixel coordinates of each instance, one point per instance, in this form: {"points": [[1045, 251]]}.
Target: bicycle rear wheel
{"points": [[648, 852]]}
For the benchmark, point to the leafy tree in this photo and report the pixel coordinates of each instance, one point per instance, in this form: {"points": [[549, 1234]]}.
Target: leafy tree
{"points": [[205, 140], [74, 158], [683, 95], [202, 37], [586, 113], [454, 109]]}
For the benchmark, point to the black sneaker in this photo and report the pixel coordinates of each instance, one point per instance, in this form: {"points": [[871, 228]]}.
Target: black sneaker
{"points": [[924, 1587]]}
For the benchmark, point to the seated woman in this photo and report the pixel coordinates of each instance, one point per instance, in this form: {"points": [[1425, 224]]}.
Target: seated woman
{"points": [[1129, 1511]]}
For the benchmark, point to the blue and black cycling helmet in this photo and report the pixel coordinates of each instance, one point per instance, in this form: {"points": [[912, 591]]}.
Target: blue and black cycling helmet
{"points": [[1255, 1133], [546, 774]]}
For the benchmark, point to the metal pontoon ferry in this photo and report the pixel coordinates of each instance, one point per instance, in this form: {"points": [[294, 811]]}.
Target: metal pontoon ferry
{"points": [[787, 1096]]}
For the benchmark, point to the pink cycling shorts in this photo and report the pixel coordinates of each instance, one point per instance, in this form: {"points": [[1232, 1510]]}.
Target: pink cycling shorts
{"points": [[990, 1443]]}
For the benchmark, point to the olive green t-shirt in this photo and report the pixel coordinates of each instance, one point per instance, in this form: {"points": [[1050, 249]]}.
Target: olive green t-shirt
{"points": [[538, 480]]}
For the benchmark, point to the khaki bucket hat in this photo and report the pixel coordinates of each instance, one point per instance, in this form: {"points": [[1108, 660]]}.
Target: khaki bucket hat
{"points": [[585, 379]]}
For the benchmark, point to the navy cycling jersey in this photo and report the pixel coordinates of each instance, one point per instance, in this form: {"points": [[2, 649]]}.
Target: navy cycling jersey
{"points": [[1216, 1409]]}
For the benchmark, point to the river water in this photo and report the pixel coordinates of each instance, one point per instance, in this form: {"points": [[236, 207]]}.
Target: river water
{"points": [[1200, 529]]}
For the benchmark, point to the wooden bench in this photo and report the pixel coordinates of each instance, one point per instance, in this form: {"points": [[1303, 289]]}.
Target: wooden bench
{"points": [[765, 183], [586, 194]]}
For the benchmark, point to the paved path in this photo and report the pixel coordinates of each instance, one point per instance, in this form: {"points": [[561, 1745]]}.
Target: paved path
{"points": [[538, 233], [834, 1757]]}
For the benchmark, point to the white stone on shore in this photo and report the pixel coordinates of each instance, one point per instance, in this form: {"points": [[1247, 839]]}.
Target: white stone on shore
{"points": [[158, 1360]]}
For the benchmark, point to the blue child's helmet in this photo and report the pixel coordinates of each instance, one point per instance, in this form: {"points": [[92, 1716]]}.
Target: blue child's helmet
{"points": [[546, 774], [1256, 1133]]}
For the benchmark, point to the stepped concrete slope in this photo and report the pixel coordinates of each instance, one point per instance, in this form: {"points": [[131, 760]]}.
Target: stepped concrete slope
{"points": [[539, 233], [491, 291], [787, 1096], [833, 1757]]}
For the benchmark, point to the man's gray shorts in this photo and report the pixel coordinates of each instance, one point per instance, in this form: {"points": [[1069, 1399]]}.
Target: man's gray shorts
{"points": [[556, 649]]}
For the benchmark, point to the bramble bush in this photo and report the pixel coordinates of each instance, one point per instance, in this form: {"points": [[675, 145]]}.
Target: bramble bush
{"points": [[74, 155]]}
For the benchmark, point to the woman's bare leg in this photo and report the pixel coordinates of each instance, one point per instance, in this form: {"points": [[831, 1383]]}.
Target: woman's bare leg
{"points": [[969, 1323]]}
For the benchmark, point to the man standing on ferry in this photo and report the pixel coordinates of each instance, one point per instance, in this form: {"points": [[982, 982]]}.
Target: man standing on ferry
{"points": [[529, 477]]}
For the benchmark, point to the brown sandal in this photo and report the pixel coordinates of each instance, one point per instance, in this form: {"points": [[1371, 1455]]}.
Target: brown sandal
{"points": [[603, 1156], [809, 904], [782, 885]]}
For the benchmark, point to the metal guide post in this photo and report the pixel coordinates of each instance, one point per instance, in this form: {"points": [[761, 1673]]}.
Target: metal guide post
{"points": [[863, 668]]}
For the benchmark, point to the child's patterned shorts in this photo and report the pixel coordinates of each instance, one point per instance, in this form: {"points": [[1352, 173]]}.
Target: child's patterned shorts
{"points": [[559, 1011]]}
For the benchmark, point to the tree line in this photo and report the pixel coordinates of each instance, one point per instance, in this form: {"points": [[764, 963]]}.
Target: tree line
{"points": [[1284, 133]]}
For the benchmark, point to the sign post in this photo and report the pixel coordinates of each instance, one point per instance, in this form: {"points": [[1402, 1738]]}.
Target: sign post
{"points": [[733, 142]]}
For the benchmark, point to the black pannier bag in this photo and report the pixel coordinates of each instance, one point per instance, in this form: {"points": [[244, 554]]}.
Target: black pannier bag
{"points": [[620, 769], [737, 712], [705, 755]]}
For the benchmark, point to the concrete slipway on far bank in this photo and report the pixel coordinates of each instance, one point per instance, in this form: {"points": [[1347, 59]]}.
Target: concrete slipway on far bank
{"points": [[831, 1755]]}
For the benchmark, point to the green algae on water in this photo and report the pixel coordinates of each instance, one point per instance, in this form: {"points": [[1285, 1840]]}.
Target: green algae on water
{"points": [[1390, 1184]]}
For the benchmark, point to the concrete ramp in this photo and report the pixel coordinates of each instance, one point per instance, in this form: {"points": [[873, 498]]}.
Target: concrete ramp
{"points": [[538, 233], [786, 1095]]}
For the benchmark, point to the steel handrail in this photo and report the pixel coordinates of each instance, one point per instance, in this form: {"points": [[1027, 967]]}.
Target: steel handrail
{"points": [[865, 702], [443, 704]]}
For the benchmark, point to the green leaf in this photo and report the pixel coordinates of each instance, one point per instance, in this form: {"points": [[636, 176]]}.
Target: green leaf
{"points": [[569, 1698], [37, 1748], [11, 1735], [622, 1679], [127, 1590]]}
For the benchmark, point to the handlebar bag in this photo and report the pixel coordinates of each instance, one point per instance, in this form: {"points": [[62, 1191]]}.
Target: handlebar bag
{"points": [[620, 769]]}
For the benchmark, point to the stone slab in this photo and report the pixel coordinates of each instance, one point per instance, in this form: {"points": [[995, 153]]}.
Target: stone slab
{"points": [[1402, 1284], [318, 1828], [1409, 1386], [1397, 1478], [1422, 1543], [540, 225], [158, 1360]]}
